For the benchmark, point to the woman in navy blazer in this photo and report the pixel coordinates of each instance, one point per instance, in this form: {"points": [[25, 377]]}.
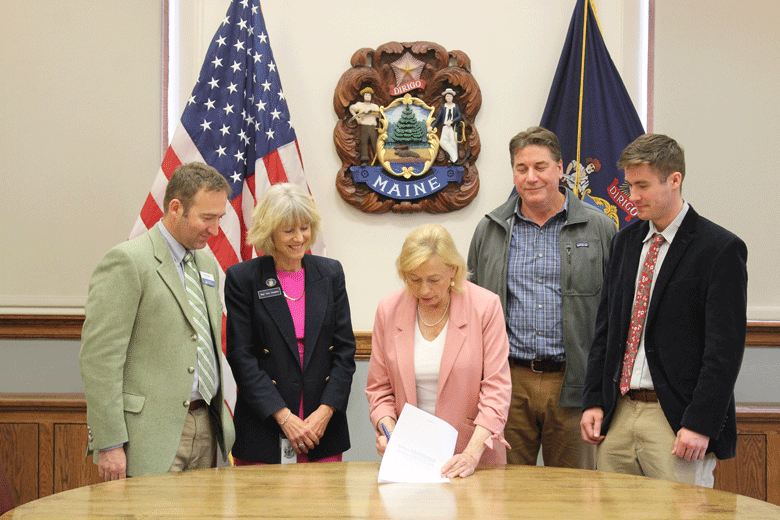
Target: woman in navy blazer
{"points": [[289, 338]]}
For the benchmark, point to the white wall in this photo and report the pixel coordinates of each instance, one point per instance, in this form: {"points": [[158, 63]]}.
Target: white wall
{"points": [[514, 48], [104, 124], [716, 92], [80, 139], [81, 108]]}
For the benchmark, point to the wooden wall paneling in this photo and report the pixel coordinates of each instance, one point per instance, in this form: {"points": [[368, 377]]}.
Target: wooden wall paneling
{"points": [[751, 458], [53, 439], [764, 419], [43, 440], [45, 456], [363, 346], [745, 474], [40, 326], [755, 471], [7, 499], [72, 468], [21, 326], [773, 466], [19, 453]]}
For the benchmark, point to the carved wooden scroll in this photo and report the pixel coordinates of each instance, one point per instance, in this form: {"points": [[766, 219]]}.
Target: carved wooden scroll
{"points": [[405, 132]]}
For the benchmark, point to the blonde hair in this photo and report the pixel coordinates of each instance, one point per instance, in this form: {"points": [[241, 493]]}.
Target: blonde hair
{"points": [[282, 205], [426, 242]]}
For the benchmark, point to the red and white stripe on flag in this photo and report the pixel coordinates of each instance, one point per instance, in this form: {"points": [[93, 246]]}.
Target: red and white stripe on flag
{"points": [[237, 121]]}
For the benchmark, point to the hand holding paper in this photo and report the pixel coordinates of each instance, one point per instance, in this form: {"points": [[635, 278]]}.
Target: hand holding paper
{"points": [[421, 444]]}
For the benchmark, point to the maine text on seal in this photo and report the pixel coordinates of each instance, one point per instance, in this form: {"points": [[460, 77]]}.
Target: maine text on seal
{"points": [[405, 132]]}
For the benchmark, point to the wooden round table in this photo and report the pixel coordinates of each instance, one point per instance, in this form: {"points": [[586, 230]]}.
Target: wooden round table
{"points": [[350, 490]]}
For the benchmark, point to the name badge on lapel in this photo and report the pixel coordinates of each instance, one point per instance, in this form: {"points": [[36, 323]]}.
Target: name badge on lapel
{"points": [[207, 279], [267, 293]]}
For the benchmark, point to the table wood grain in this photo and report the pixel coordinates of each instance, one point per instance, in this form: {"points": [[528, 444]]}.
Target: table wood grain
{"points": [[349, 490]]}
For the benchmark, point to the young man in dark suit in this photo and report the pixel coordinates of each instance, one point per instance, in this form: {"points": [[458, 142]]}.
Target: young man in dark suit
{"points": [[670, 331]]}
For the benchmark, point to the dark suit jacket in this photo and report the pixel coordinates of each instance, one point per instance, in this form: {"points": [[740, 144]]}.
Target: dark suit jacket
{"points": [[694, 330], [457, 117], [263, 354]]}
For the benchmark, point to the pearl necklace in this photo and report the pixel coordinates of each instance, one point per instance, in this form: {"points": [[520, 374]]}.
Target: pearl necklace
{"points": [[439, 320]]}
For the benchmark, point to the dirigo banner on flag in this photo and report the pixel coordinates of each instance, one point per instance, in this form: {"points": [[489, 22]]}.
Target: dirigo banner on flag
{"points": [[237, 121], [592, 114]]}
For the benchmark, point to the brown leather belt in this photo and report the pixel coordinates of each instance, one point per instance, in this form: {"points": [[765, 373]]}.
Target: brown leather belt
{"points": [[195, 405], [648, 396], [538, 365]]}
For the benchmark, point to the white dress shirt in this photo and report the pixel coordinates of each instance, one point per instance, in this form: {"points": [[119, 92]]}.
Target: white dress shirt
{"points": [[640, 376]]}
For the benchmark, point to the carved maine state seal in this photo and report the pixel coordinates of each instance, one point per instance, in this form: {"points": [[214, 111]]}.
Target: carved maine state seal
{"points": [[405, 132]]}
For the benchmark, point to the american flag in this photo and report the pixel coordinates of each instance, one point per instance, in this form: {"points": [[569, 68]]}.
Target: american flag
{"points": [[237, 121]]}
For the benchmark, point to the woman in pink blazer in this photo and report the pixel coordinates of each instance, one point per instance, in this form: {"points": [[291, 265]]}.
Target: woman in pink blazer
{"points": [[440, 344]]}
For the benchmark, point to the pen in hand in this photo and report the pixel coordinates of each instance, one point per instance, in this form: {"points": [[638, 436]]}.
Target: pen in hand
{"points": [[384, 430]]}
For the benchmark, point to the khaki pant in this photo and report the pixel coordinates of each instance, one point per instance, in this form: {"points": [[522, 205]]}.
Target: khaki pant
{"points": [[640, 441], [198, 447], [536, 421]]}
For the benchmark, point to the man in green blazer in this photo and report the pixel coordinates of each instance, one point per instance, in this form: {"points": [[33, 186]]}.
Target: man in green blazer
{"points": [[149, 359]]}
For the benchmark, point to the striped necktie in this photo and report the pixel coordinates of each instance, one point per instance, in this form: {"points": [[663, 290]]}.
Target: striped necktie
{"points": [[207, 362]]}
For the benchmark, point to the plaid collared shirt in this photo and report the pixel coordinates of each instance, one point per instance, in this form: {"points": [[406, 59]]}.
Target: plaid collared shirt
{"points": [[534, 288]]}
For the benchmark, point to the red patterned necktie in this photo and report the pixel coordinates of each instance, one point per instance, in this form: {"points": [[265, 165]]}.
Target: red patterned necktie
{"points": [[640, 312]]}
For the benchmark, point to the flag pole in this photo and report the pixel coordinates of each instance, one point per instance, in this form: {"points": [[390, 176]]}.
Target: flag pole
{"points": [[582, 94]]}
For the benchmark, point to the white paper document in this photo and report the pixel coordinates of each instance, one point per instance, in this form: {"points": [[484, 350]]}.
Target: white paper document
{"points": [[419, 446]]}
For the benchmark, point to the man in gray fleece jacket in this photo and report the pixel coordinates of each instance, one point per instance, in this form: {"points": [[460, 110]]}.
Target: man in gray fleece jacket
{"points": [[544, 252]]}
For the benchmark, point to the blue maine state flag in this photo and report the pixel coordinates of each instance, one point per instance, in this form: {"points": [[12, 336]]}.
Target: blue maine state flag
{"points": [[591, 113]]}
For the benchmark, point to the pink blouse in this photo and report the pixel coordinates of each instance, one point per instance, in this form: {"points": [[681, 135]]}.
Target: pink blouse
{"points": [[293, 285]]}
